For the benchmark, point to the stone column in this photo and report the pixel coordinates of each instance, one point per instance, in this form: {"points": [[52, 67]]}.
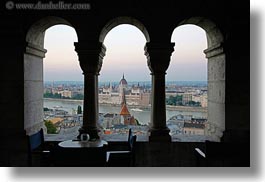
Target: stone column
{"points": [[158, 59], [90, 59], [33, 88], [216, 91]]}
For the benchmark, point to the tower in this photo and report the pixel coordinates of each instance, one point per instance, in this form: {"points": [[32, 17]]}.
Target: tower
{"points": [[123, 84], [128, 119]]}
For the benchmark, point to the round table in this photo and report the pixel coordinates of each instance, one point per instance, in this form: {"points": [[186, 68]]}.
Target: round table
{"points": [[82, 144]]}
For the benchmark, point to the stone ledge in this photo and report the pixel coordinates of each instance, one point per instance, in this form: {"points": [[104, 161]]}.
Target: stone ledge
{"points": [[215, 50], [35, 50]]}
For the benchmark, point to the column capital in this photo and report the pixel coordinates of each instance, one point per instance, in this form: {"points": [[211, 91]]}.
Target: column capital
{"points": [[158, 56], [90, 56]]}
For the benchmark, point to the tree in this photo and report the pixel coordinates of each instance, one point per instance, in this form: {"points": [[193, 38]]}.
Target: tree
{"points": [[79, 109], [193, 103], [137, 122], [177, 100], [51, 95], [51, 129], [78, 97]]}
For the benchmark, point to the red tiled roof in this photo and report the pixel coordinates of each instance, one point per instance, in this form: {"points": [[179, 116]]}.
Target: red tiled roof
{"points": [[124, 111]]}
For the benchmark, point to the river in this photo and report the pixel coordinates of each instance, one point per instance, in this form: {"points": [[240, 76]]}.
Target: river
{"points": [[143, 116]]}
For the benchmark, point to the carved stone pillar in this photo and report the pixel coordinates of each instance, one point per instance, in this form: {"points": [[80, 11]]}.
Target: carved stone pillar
{"points": [[90, 59], [216, 91], [33, 88], [158, 59]]}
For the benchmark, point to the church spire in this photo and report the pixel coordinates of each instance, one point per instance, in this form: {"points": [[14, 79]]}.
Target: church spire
{"points": [[123, 101]]}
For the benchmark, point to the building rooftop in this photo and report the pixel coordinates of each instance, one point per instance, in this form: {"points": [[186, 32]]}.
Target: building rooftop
{"points": [[194, 125], [124, 111]]}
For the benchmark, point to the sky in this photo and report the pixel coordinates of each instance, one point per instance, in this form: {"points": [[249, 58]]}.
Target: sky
{"points": [[125, 54]]}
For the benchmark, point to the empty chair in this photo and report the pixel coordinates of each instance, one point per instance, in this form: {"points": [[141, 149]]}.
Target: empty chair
{"points": [[125, 157], [36, 150]]}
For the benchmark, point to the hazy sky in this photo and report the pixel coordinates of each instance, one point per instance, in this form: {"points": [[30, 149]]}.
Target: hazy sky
{"points": [[125, 54]]}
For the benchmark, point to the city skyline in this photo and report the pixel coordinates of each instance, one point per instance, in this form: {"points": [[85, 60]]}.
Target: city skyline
{"points": [[125, 53]]}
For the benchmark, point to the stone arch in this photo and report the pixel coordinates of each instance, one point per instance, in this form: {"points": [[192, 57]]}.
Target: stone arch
{"points": [[213, 33], [33, 72], [36, 32], [216, 75], [123, 20]]}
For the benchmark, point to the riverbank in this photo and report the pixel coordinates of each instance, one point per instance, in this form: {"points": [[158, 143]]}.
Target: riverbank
{"points": [[168, 107], [63, 100], [186, 108]]}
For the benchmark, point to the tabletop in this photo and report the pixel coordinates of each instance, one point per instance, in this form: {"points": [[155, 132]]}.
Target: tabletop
{"points": [[82, 144]]}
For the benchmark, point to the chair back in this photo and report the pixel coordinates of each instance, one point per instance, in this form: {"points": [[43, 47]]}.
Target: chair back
{"points": [[36, 140], [124, 158], [131, 140]]}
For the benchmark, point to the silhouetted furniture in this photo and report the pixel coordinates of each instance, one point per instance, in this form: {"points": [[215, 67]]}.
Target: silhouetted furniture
{"points": [[36, 150], [82, 144], [80, 154], [125, 157], [222, 154]]}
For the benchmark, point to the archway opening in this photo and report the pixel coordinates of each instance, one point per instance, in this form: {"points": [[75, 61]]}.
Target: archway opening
{"points": [[216, 61], [124, 85], [63, 84], [56, 67], [186, 85]]}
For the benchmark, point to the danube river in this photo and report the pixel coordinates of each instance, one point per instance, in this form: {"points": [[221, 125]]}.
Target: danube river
{"points": [[143, 115]]}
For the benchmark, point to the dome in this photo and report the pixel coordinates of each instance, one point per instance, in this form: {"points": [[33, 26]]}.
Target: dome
{"points": [[123, 81]]}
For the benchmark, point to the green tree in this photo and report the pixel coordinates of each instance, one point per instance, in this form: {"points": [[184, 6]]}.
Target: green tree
{"points": [[48, 95], [79, 110], [177, 100], [193, 103], [57, 96], [78, 97], [51, 95], [137, 122], [51, 129]]}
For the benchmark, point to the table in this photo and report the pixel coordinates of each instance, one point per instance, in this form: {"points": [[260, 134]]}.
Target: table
{"points": [[82, 144], [74, 153]]}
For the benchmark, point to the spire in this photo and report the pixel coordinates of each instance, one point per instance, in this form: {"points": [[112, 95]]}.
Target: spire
{"points": [[123, 101], [125, 111], [123, 81]]}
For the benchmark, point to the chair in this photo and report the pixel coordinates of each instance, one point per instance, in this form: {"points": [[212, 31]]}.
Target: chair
{"points": [[36, 149], [125, 157]]}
